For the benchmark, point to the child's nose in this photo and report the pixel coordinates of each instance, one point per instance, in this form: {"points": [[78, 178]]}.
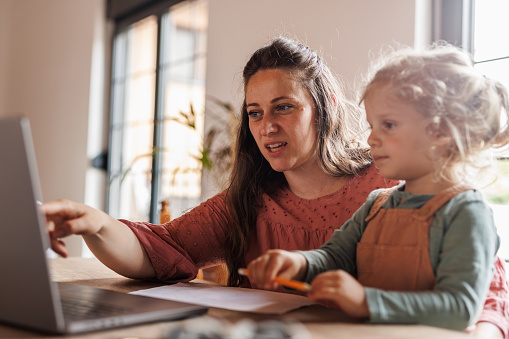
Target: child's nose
{"points": [[372, 139]]}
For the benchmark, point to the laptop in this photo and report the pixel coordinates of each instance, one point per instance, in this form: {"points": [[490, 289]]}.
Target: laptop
{"points": [[28, 296]]}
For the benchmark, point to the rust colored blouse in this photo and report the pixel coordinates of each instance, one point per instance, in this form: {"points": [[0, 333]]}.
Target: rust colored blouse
{"points": [[195, 240]]}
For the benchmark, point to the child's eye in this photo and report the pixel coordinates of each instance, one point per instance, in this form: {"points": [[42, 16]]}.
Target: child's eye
{"points": [[388, 125]]}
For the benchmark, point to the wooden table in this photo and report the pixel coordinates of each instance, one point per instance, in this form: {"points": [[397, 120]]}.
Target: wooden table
{"points": [[320, 322]]}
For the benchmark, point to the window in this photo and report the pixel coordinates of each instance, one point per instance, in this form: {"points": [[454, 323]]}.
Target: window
{"points": [[157, 112], [491, 58], [481, 27]]}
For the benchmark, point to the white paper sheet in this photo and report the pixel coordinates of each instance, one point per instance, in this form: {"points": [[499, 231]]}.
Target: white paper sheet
{"points": [[231, 298]]}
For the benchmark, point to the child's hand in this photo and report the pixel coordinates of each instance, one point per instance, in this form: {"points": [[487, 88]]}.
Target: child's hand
{"points": [[342, 291], [264, 269]]}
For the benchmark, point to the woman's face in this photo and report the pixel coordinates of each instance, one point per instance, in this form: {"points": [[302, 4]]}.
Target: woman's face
{"points": [[282, 118]]}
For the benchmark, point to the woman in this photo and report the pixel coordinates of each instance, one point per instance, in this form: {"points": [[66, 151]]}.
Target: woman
{"points": [[301, 169]]}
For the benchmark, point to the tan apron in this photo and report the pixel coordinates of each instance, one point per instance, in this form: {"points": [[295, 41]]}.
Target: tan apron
{"points": [[393, 253]]}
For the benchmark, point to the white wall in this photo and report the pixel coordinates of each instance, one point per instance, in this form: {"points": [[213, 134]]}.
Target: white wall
{"points": [[53, 57], [344, 32], [47, 73]]}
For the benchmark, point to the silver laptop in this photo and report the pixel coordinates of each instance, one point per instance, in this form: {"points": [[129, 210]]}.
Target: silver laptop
{"points": [[28, 297]]}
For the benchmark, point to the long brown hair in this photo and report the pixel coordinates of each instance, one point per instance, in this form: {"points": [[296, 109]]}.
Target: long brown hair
{"points": [[338, 148]]}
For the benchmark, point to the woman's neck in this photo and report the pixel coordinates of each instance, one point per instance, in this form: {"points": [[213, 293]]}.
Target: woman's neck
{"points": [[314, 183]]}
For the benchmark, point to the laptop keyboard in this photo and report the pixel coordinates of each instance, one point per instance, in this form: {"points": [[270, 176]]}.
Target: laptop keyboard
{"points": [[85, 309]]}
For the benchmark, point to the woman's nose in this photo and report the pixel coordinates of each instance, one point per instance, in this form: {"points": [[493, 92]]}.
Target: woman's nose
{"points": [[269, 126]]}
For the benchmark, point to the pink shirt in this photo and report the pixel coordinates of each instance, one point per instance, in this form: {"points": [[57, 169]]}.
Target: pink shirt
{"points": [[496, 306], [195, 240]]}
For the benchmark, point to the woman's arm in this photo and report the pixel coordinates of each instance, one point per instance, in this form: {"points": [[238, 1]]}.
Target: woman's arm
{"points": [[194, 240], [485, 329], [110, 240], [494, 319], [171, 252]]}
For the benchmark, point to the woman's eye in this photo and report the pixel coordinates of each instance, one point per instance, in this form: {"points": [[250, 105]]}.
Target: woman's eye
{"points": [[254, 115], [283, 107]]}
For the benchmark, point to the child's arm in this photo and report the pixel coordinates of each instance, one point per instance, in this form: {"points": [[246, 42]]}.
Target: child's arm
{"points": [[463, 243], [340, 251]]}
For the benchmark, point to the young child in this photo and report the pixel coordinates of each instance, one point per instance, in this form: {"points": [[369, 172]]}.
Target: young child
{"points": [[422, 252]]}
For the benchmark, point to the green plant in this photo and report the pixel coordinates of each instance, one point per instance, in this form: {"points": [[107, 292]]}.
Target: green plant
{"points": [[500, 199], [215, 152], [498, 191]]}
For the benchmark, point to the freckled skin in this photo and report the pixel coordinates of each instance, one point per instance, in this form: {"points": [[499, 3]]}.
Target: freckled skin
{"points": [[281, 111]]}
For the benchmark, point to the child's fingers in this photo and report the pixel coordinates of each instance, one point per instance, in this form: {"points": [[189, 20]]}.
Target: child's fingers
{"points": [[264, 269], [325, 285], [271, 270], [326, 280], [342, 289], [256, 271], [275, 263]]}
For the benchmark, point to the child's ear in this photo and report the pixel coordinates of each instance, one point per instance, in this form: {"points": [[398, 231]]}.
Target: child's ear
{"points": [[442, 140], [440, 136]]}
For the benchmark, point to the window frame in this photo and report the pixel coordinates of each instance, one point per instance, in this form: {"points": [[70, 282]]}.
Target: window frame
{"points": [[460, 31], [159, 9]]}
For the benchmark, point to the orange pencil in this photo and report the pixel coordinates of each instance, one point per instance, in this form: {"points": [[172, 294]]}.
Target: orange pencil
{"points": [[296, 285]]}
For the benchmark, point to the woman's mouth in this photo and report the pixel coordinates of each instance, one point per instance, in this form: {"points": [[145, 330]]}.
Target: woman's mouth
{"points": [[272, 148]]}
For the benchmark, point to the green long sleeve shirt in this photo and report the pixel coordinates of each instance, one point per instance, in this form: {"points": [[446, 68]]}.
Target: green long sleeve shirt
{"points": [[463, 244]]}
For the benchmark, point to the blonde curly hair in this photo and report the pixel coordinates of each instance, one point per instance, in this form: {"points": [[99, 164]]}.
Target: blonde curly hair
{"points": [[440, 82]]}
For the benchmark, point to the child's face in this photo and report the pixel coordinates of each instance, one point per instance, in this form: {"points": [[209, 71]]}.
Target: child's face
{"points": [[400, 143]]}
